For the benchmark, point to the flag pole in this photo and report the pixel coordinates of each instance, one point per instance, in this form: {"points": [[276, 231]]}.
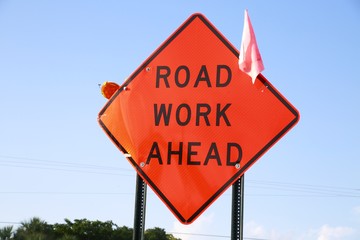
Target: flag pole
{"points": [[140, 207], [237, 208]]}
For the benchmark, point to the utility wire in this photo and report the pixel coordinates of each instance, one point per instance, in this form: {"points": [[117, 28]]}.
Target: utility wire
{"points": [[34, 161], [213, 235], [6, 222], [278, 189], [151, 193]]}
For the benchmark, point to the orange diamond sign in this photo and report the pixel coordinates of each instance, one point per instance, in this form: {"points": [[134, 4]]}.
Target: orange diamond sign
{"points": [[190, 122]]}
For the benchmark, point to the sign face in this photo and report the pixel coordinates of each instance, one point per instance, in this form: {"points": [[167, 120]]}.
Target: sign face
{"points": [[191, 122]]}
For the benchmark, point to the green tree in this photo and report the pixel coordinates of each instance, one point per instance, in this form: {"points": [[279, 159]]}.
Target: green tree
{"points": [[63, 230], [67, 237], [171, 237], [79, 229], [122, 233], [158, 234], [155, 234], [84, 229], [34, 229], [6, 233]]}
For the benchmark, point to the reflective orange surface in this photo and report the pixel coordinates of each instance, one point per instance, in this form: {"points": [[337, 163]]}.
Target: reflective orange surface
{"points": [[190, 122]]}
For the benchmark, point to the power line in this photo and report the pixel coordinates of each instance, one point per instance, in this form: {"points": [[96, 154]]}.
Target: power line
{"points": [[42, 162], [64, 193], [291, 189], [150, 193], [214, 236], [298, 185], [308, 189], [32, 163], [7, 222], [68, 170]]}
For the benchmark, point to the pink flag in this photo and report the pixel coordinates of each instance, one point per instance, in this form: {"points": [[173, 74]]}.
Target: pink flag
{"points": [[250, 60]]}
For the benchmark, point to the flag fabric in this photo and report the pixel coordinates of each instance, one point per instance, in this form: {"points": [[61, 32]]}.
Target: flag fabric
{"points": [[250, 60]]}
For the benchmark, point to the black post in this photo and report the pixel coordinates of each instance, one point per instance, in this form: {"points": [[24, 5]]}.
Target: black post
{"points": [[237, 209], [140, 207]]}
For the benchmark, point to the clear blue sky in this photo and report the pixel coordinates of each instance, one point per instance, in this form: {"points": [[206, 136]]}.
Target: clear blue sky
{"points": [[56, 162]]}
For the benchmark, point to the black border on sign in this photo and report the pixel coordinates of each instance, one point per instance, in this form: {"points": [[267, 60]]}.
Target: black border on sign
{"points": [[243, 168]]}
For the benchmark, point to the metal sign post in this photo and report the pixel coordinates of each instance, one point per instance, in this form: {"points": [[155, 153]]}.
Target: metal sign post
{"points": [[237, 209], [140, 207]]}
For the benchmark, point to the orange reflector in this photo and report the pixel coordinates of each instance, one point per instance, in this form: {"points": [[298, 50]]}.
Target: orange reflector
{"points": [[108, 89]]}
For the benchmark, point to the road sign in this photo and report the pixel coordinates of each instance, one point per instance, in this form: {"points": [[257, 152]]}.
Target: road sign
{"points": [[190, 122]]}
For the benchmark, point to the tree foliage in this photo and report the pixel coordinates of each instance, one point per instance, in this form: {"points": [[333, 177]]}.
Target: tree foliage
{"points": [[79, 229], [34, 229], [158, 234], [6, 233]]}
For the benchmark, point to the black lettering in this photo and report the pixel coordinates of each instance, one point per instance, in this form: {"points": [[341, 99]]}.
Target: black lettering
{"points": [[162, 113], [220, 113], [202, 110], [187, 76], [162, 72], [218, 76], [154, 153], [191, 153], [203, 76], [237, 148], [174, 152], [213, 153], [187, 112]]}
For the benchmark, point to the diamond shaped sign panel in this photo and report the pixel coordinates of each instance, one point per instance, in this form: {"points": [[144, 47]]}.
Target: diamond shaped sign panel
{"points": [[191, 122]]}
